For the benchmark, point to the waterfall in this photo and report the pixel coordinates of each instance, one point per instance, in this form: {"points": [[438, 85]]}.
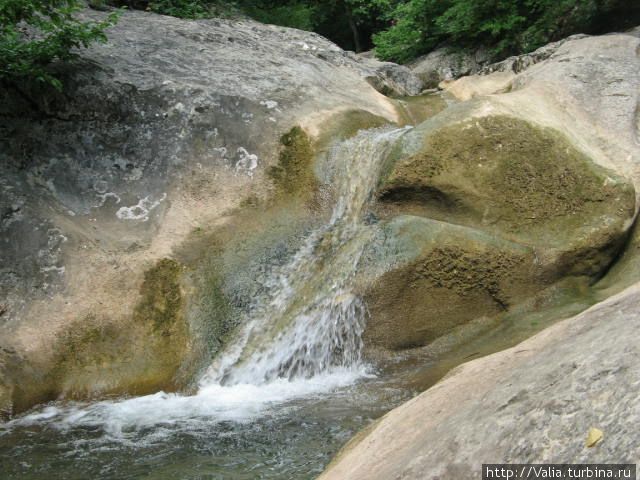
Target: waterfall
{"points": [[302, 338], [311, 322]]}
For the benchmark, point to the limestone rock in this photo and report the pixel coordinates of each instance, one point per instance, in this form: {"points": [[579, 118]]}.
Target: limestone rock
{"points": [[390, 78], [587, 90], [519, 63], [527, 404], [534, 402], [445, 64], [535, 211]]}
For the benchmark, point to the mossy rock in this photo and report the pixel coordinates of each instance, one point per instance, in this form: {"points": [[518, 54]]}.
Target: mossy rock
{"points": [[482, 214], [525, 183], [293, 175], [450, 276], [161, 301], [99, 356], [6, 388]]}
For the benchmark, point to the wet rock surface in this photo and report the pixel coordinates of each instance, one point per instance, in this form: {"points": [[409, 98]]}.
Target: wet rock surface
{"points": [[146, 206], [536, 166], [156, 137], [448, 276], [494, 185]]}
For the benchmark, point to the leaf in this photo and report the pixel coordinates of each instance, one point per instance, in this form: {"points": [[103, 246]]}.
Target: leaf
{"points": [[594, 436]]}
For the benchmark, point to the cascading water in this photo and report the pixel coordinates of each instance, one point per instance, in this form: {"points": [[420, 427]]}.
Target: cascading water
{"points": [[311, 323], [256, 413], [302, 338]]}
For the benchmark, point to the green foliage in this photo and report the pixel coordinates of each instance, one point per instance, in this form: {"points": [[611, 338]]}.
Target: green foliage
{"points": [[404, 29], [289, 13], [505, 26], [295, 14], [194, 9], [35, 33], [414, 29], [350, 23], [180, 8]]}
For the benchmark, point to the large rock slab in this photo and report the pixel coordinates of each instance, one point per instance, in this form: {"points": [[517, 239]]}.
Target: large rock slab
{"points": [[478, 167], [446, 64], [519, 63], [390, 78], [533, 403], [587, 89]]}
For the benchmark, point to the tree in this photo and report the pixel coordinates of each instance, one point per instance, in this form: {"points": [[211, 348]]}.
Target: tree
{"points": [[366, 16], [350, 23], [36, 33], [507, 27], [401, 30]]}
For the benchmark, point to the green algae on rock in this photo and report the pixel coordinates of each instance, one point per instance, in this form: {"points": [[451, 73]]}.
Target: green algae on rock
{"points": [[293, 174], [161, 302], [141, 356], [415, 110], [493, 183], [449, 275], [98, 355], [346, 124], [506, 174]]}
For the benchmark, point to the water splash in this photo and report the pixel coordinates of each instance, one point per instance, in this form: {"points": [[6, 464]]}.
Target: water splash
{"points": [[151, 418]]}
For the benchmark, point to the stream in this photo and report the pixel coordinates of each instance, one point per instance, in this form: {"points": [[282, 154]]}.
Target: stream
{"points": [[278, 402], [283, 397]]}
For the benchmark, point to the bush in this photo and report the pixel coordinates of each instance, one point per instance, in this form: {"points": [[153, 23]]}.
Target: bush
{"points": [[350, 23], [35, 33], [414, 30], [288, 13], [301, 15]]}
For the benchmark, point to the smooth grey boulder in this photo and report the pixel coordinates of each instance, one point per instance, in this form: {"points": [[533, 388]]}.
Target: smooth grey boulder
{"points": [[533, 403], [390, 78], [444, 64]]}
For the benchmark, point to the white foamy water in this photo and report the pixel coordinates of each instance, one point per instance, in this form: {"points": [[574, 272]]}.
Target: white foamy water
{"points": [[303, 338], [124, 419]]}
